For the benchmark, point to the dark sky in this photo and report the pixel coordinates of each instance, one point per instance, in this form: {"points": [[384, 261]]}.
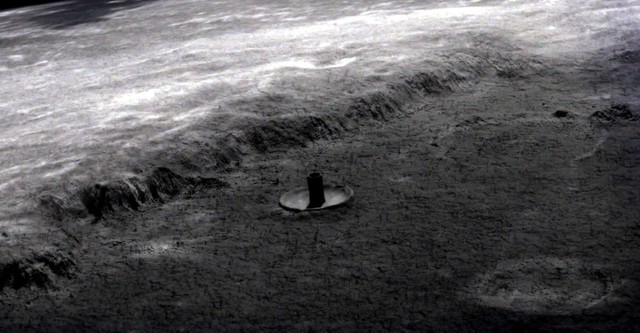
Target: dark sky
{"points": [[14, 4]]}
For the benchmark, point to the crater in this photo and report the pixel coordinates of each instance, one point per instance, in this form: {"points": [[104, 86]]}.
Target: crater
{"points": [[556, 286]]}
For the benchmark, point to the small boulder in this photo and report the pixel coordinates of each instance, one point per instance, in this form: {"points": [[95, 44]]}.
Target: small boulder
{"points": [[563, 114]]}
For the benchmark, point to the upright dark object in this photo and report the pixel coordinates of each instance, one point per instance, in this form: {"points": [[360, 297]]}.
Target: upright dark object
{"points": [[316, 190], [316, 196]]}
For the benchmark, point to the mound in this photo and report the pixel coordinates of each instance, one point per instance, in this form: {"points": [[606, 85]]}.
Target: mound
{"points": [[131, 193], [40, 270], [615, 113]]}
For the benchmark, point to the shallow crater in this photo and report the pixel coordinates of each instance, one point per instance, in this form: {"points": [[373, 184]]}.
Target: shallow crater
{"points": [[556, 286]]}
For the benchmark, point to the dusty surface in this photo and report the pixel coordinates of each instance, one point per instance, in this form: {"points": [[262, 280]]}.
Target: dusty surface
{"points": [[496, 189], [186, 85], [484, 210]]}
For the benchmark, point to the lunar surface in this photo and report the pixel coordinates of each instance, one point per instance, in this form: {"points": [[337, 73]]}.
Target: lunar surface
{"points": [[493, 149]]}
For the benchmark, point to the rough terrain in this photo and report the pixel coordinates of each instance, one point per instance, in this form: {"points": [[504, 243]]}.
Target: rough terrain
{"points": [[496, 189]]}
